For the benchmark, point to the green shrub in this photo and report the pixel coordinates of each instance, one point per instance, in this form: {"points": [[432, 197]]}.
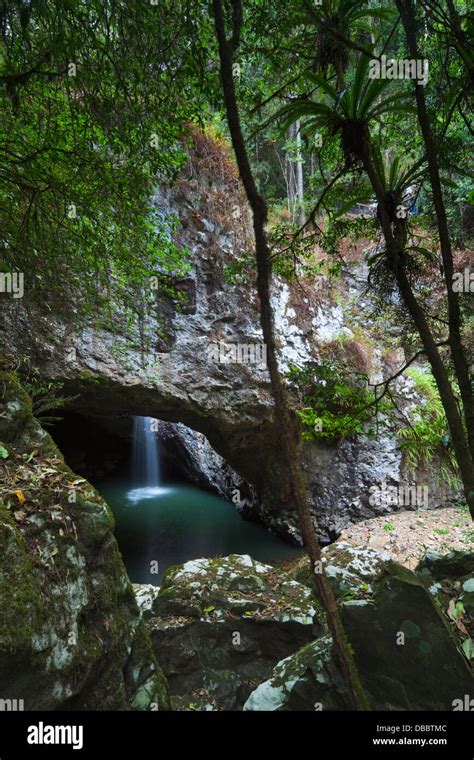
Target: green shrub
{"points": [[427, 438], [337, 403]]}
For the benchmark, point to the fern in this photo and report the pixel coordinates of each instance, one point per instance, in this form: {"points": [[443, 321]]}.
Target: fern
{"points": [[427, 439], [46, 397]]}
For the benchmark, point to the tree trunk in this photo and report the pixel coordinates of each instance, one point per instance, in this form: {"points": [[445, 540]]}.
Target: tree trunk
{"points": [[291, 181], [461, 365], [288, 427], [299, 175], [440, 374]]}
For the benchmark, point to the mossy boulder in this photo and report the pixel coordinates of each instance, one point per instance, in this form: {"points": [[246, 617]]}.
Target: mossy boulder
{"points": [[236, 586], [71, 636], [449, 578], [145, 595], [452, 564], [306, 681], [405, 651], [351, 570], [406, 654], [220, 625]]}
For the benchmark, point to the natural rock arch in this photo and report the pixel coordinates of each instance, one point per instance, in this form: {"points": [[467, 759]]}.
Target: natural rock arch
{"points": [[175, 377]]}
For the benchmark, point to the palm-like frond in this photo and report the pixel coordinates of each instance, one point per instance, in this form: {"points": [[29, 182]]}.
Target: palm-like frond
{"points": [[348, 112], [339, 19], [396, 177]]}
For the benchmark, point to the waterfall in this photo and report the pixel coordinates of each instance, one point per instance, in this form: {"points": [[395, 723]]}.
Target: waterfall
{"points": [[145, 458]]}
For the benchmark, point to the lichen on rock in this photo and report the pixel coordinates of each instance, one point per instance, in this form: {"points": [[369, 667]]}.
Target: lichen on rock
{"points": [[405, 651], [305, 681], [221, 624], [70, 633]]}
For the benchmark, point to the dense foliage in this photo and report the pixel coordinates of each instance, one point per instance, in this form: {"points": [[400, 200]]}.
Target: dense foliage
{"points": [[337, 403], [87, 90]]}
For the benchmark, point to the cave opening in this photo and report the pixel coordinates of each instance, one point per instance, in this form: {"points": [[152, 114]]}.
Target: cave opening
{"points": [[189, 516], [101, 447]]}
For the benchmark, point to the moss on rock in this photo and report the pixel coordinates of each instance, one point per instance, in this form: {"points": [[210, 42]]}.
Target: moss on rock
{"points": [[70, 634], [221, 624]]}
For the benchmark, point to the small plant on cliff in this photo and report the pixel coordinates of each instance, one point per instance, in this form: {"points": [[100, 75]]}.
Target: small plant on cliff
{"points": [[46, 397], [337, 403]]}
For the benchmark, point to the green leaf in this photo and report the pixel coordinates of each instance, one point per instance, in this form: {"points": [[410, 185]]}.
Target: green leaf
{"points": [[4, 454], [468, 648]]}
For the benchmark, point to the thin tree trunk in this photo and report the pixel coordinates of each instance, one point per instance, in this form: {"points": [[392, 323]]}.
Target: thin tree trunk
{"points": [[340, 75], [440, 374], [292, 188], [461, 365], [299, 175], [288, 428]]}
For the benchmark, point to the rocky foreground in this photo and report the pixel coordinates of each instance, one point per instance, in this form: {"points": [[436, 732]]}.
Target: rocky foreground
{"points": [[232, 633]]}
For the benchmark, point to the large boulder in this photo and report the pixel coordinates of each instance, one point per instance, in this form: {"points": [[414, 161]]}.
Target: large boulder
{"points": [[350, 570], [454, 565], [306, 680], [405, 652], [71, 636], [220, 625], [449, 578]]}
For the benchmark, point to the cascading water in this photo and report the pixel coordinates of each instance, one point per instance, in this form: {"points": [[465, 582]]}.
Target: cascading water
{"points": [[145, 453], [145, 459]]}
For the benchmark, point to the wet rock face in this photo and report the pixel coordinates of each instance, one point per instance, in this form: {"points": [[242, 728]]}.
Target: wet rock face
{"points": [[405, 652], [204, 467], [71, 636], [222, 624]]}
